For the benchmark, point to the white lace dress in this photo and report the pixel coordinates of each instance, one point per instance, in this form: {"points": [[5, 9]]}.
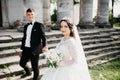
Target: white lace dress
{"points": [[69, 68]]}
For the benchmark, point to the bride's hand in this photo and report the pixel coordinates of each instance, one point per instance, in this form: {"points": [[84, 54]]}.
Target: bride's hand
{"points": [[44, 49]]}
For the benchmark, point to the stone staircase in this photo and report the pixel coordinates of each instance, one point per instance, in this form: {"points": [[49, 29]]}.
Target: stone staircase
{"points": [[100, 46]]}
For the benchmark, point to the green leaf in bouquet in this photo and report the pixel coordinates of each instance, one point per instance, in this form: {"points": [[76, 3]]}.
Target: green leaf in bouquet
{"points": [[55, 64], [50, 65]]}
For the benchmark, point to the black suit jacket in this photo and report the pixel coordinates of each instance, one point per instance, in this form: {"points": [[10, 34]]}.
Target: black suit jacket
{"points": [[38, 40]]}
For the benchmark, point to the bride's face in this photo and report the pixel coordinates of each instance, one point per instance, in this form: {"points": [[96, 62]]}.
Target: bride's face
{"points": [[65, 28]]}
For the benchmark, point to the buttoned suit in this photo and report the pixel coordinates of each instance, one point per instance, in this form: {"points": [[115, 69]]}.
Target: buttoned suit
{"points": [[37, 42]]}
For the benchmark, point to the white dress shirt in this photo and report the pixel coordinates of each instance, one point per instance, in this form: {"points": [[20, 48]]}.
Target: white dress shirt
{"points": [[28, 34]]}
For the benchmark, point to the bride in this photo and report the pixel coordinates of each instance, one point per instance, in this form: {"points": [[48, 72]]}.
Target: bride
{"points": [[74, 65]]}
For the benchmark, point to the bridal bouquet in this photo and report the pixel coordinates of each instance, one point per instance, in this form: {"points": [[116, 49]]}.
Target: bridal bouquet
{"points": [[53, 57]]}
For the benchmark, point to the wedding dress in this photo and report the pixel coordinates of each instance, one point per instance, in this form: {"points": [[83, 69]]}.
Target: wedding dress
{"points": [[72, 67]]}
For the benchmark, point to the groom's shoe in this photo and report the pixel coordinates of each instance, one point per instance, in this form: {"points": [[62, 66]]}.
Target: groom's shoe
{"points": [[25, 75]]}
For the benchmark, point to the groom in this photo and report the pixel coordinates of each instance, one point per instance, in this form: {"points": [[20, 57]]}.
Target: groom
{"points": [[33, 43]]}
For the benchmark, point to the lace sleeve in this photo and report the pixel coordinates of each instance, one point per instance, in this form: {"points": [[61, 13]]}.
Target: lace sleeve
{"points": [[73, 51]]}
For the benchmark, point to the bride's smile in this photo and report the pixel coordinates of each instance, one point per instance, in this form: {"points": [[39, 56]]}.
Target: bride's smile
{"points": [[65, 29]]}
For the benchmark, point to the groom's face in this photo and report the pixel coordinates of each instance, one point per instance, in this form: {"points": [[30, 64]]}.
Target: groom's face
{"points": [[65, 28], [30, 16]]}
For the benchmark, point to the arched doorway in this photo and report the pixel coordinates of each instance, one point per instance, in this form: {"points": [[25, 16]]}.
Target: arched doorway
{"points": [[0, 14]]}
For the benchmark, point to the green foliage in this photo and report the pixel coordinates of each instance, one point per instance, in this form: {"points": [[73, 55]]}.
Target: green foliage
{"points": [[115, 21], [108, 71], [53, 65], [75, 1], [4, 66], [53, 1], [11, 47], [111, 16], [117, 25], [54, 16]]}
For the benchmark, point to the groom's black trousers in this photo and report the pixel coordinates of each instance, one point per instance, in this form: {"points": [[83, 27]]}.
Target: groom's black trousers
{"points": [[26, 56]]}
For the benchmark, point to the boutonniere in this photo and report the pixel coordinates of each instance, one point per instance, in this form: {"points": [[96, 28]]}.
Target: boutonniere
{"points": [[34, 30]]}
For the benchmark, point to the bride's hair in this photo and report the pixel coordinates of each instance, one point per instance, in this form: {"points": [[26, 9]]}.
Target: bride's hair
{"points": [[70, 25]]}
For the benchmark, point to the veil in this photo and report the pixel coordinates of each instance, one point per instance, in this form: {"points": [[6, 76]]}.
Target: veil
{"points": [[82, 65], [81, 59]]}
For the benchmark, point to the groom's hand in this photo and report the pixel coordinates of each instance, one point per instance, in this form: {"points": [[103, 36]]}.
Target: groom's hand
{"points": [[20, 53]]}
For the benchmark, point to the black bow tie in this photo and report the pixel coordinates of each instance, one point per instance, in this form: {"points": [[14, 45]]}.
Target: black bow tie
{"points": [[30, 23]]}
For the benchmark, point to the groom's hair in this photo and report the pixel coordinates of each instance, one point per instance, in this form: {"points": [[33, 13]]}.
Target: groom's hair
{"points": [[70, 25], [30, 10]]}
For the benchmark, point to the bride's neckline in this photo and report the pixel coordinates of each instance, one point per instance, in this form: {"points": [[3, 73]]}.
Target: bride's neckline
{"points": [[65, 39]]}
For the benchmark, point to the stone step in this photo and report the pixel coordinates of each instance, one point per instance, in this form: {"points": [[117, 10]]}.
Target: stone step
{"points": [[9, 60], [17, 44], [52, 45], [12, 52], [6, 53], [53, 40], [94, 31], [103, 56], [9, 71], [89, 32], [12, 44], [97, 31], [93, 45], [14, 60], [10, 38], [108, 30], [57, 40], [115, 33], [41, 70], [115, 37], [5, 39], [49, 35], [99, 62], [53, 35], [101, 40], [104, 35], [95, 41], [99, 45], [16, 37], [58, 33], [86, 37], [16, 69], [96, 51], [13, 38]]}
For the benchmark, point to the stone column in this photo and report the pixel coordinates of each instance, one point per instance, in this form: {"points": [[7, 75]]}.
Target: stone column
{"points": [[86, 10], [12, 10], [103, 14], [5, 19], [46, 14], [64, 9], [0, 14], [15, 11]]}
